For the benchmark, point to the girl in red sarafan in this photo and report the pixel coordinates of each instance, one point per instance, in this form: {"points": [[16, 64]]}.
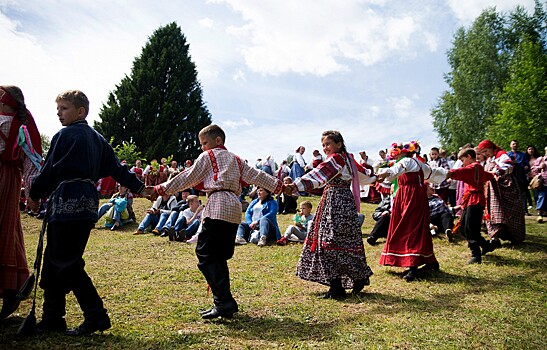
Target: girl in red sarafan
{"points": [[15, 165], [409, 242]]}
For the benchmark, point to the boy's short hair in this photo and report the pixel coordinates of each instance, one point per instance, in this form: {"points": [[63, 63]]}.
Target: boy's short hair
{"points": [[287, 178], [191, 198], [435, 149], [467, 152], [76, 97], [307, 204], [213, 131]]}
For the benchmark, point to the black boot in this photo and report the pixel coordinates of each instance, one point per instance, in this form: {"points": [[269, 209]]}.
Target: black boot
{"points": [[411, 274], [490, 246], [336, 291], [95, 316], [10, 303], [217, 275], [53, 317], [371, 240], [358, 285], [475, 248]]}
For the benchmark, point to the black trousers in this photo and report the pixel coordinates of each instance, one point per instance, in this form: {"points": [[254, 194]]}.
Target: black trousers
{"points": [[63, 270], [215, 247], [380, 227], [443, 221], [288, 205], [470, 227]]}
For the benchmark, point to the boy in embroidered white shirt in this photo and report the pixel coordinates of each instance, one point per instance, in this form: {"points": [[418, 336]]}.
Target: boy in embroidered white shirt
{"points": [[220, 173]]}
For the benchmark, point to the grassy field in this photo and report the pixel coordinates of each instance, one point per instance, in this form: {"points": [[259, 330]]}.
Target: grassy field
{"points": [[153, 290]]}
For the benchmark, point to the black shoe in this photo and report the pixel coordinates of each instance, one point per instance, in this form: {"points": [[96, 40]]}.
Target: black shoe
{"points": [[114, 227], [474, 260], [358, 285], [495, 243], [171, 234], [410, 275], [371, 240], [9, 306], [90, 327], [164, 233], [434, 266], [180, 236], [216, 312], [51, 325], [203, 312], [336, 295]]}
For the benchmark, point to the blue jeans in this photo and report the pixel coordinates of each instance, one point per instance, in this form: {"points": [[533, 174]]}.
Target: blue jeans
{"points": [[149, 220], [266, 228], [106, 207], [162, 220]]}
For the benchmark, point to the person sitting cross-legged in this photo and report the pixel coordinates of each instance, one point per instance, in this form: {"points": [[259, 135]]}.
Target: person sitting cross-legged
{"points": [[260, 224], [381, 215], [299, 230]]}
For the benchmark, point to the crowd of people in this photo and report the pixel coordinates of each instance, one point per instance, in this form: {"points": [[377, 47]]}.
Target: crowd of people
{"points": [[479, 187]]}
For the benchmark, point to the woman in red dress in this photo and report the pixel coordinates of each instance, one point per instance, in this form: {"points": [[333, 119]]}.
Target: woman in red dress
{"points": [[409, 242], [14, 166]]}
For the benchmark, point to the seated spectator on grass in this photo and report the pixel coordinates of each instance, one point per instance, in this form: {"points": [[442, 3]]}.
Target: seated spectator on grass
{"points": [[119, 209], [283, 170], [152, 218], [173, 170], [268, 165], [188, 221], [287, 203], [302, 224], [440, 215], [381, 215], [182, 204], [260, 224]]}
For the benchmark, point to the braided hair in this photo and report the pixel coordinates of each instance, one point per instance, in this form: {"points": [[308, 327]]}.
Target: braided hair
{"points": [[21, 110]]}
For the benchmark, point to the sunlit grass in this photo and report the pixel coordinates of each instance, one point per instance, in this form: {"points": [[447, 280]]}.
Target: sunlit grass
{"points": [[153, 290]]}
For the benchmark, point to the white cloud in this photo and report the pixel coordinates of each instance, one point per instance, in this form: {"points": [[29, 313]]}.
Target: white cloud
{"points": [[467, 10], [315, 37], [232, 124], [207, 22]]}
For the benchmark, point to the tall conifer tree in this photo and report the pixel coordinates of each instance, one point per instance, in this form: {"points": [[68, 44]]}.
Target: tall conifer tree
{"points": [[159, 107]]}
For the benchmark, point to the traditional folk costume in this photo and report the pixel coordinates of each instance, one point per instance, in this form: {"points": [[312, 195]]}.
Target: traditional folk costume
{"points": [[504, 211], [334, 247], [440, 189], [220, 173], [297, 167], [14, 167], [473, 201], [78, 157], [409, 242]]}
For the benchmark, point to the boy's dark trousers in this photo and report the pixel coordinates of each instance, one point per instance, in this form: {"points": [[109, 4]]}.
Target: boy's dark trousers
{"points": [[381, 227], [443, 221], [215, 247], [63, 271], [471, 228]]}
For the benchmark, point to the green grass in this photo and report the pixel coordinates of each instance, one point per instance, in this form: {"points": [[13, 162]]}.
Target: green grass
{"points": [[153, 290]]}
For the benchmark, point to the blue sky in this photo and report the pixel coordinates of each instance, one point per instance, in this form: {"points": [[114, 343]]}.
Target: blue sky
{"points": [[274, 73]]}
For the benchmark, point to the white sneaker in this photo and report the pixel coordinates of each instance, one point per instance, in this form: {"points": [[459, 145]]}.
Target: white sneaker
{"points": [[193, 239], [262, 241], [240, 241]]}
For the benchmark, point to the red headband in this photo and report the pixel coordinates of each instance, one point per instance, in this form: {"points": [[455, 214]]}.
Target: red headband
{"points": [[7, 99], [486, 144]]}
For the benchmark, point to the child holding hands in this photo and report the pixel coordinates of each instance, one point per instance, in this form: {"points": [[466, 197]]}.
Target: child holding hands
{"points": [[221, 173], [77, 158], [474, 177]]}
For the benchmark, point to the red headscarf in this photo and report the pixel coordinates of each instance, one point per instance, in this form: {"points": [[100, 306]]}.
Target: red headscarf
{"points": [[11, 144]]}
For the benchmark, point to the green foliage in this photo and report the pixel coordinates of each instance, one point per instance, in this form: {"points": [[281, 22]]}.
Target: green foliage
{"points": [[159, 107], [46, 144], [484, 60], [523, 103], [127, 151]]}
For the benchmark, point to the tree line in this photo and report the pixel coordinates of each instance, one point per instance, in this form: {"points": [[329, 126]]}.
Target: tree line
{"points": [[497, 86]]}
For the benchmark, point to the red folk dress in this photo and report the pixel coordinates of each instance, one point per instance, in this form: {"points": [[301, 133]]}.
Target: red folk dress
{"points": [[409, 243]]}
